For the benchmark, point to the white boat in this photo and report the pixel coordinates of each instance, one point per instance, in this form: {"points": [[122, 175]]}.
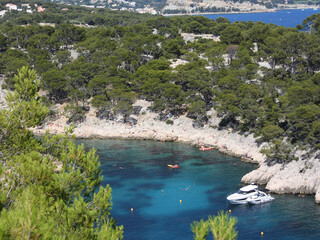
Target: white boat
{"points": [[259, 198], [243, 194]]}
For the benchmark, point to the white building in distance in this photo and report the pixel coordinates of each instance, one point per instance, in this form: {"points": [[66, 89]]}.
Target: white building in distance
{"points": [[11, 6]]}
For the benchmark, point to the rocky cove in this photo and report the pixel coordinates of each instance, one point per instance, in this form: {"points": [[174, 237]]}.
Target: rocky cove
{"points": [[296, 177]]}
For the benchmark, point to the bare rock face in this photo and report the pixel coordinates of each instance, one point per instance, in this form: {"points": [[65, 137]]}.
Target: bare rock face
{"points": [[296, 177], [285, 180], [3, 93], [317, 198], [190, 5], [262, 175]]}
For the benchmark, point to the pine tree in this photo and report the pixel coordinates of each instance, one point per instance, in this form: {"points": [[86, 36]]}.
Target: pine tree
{"points": [[200, 229], [49, 187], [222, 227]]}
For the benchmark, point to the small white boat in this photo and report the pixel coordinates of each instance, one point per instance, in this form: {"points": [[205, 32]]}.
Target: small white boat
{"points": [[259, 198], [243, 194]]}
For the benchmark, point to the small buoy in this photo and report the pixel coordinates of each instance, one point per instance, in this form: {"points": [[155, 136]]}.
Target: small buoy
{"points": [[229, 210], [261, 234], [180, 201], [131, 209]]}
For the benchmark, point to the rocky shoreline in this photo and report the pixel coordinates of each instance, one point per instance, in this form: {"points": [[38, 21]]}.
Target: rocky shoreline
{"points": [[298, 177], [246, 9], [219, 13]]}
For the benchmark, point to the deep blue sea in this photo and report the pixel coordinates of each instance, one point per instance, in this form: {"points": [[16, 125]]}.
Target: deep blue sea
{"points": [[287, 18], [140, 179]]}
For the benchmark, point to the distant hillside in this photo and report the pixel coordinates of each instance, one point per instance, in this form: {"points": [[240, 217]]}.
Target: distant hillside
{"points": [[200, 6], [142, 6], [189, 6], [184, 6], [36, 11]]}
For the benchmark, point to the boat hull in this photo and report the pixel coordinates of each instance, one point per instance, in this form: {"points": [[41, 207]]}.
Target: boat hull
{"points": [[243, 194], [238, 202], [260, 201]]}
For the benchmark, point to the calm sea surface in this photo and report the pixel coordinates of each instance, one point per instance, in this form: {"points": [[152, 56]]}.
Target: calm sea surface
{"points": [[287, 18], [140, 179]]}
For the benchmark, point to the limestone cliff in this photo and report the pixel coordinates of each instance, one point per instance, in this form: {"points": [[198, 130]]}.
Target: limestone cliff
{"points": [[297, 177], [3, 93], [192, 5]]}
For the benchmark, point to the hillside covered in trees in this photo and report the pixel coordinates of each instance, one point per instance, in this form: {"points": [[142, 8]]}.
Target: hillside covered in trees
{"points": [[57, 14], [261, 78]]}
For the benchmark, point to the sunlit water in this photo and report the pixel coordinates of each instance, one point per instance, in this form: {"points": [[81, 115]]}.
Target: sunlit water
{"points": [[140, 179], [287, 18]]}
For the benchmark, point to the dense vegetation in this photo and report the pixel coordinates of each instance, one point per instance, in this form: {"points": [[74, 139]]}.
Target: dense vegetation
{"points": [[115, 4], [113, 65]]}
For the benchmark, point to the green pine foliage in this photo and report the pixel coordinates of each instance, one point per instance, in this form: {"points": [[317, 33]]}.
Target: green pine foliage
{"points": [[200, 229], [221, 226]]}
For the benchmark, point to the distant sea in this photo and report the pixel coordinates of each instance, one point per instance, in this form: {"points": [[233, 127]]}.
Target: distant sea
{"points": [[286, 18]]}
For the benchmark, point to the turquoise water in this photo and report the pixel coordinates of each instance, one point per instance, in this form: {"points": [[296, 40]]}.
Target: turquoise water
{"points": [[287, 18], [140, 179]]}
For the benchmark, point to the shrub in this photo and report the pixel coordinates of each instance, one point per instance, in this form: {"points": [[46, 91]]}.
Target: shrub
{"points": [[169, 122]]}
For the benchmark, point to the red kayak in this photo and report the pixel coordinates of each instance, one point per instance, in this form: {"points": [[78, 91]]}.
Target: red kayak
{"points": [[205, 148]]}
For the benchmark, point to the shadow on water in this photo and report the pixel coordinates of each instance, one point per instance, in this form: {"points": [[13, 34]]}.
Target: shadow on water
{"points": [[118, 147], [147, 186]]}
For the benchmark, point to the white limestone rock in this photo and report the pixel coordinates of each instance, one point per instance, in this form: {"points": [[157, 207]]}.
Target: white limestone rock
{"points": [[296, 177], [3, 93], [262, 175], [317, 197]]}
